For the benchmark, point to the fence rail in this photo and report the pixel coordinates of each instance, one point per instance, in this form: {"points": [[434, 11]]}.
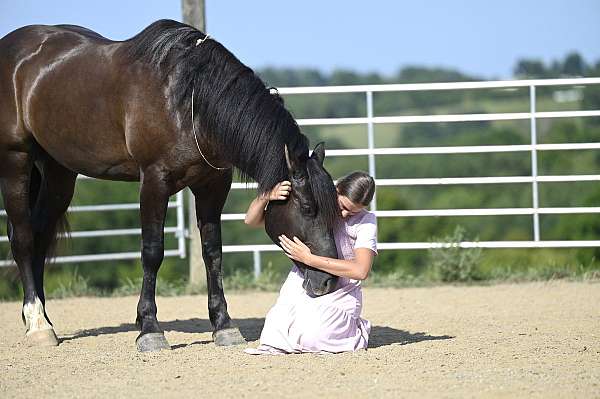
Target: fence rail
{"points": [[178, 231], [533, 147], [370, 120]]}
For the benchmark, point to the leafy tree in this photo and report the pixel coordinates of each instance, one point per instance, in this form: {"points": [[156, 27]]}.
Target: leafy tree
{"points": [[529, 68], [574, 65]]}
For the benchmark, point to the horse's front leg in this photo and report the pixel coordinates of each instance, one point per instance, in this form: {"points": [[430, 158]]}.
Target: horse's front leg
{"points": [[154, 197], [209, 204]]}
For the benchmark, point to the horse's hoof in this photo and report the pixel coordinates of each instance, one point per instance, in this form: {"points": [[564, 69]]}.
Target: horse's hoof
{"points": [[228, 337], [41, 338], [152, 342]]}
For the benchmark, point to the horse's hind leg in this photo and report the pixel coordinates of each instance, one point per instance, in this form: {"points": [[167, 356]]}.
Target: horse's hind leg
{"points": [[209, 204], [15, 187], [55, 192]]}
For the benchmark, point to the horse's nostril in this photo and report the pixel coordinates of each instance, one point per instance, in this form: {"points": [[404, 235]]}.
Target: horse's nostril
{"points": [[322, 289], [305, 285], [325, 288], [331, 284]]}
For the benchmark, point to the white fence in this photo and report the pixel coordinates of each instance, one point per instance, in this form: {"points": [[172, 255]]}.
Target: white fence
{"points": [[370, 120], [178, 230], [372, 151]]}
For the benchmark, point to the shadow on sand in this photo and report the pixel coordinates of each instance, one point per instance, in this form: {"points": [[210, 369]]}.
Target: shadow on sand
{"points": [[382, 336], [251, 328]]}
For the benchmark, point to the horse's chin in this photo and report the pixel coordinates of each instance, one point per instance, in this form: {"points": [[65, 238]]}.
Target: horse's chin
{"points": [[318, 291]]}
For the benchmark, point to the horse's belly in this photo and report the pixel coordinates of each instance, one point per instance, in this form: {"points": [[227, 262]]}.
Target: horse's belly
{"points": [[92, 163], [127, 171], [86, 149], [94, 149]]}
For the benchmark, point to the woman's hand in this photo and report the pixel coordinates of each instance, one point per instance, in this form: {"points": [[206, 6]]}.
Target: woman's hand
{"points": [[280, 192], [295, 249]]}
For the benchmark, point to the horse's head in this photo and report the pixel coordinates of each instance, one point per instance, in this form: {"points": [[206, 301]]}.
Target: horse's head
{"points": [[310, 213]]}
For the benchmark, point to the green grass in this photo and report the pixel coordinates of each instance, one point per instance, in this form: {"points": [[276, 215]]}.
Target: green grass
{"points": [[73, 284]]}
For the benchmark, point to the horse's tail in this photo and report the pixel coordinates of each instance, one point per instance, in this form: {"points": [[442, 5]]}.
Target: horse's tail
{"points": [[49, 223]]}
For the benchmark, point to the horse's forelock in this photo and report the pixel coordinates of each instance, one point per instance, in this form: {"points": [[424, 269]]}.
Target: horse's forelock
{"points": [[324, 193]]}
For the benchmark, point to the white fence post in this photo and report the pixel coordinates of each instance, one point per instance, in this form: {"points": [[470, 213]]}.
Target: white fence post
{"points": [[257, 265], [534, 167], [371, 143], [180, 234]]}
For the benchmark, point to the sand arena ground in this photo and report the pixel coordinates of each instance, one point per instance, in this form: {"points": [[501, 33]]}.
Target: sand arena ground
{"points": [[527, 340]]}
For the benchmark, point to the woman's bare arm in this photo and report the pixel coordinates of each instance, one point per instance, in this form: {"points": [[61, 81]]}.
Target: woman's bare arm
{"points": [[255, 216], [357, 269]]}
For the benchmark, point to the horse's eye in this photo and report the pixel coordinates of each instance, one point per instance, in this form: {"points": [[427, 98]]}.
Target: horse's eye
{"points": [[307, 209], [298, 176]]}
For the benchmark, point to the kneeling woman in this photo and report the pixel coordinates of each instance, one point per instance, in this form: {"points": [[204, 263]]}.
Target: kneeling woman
{"points": [[329, 323]]}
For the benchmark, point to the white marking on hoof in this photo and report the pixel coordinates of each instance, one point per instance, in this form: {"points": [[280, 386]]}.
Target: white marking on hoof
{"points": [[41, 338], [34, 317]]}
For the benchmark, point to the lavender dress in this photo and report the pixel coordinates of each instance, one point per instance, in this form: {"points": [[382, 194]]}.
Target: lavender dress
{"points": [[329, 323]]}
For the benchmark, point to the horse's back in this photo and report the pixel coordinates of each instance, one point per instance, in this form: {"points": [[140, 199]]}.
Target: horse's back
{"points": [[24, 52], [83, 31], [26, 42]]}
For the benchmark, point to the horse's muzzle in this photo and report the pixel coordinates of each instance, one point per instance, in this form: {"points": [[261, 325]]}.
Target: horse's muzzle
{"points": [[327, 287]]}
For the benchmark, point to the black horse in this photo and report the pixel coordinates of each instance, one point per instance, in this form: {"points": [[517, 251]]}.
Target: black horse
{"points": [[170, 108]]}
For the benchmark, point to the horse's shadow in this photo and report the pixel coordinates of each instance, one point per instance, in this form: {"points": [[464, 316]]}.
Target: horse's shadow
{"points": [[251, 328], [383, 336]]}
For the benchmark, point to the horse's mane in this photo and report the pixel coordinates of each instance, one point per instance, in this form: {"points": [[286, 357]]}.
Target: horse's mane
{"points": [[232, 105]]}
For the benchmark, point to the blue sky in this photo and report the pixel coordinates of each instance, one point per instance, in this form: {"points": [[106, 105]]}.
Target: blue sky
{"points": [[477, 37]]}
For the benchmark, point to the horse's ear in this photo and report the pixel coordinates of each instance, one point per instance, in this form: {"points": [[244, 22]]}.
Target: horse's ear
{"points": [[290, 162], [319, 152]]}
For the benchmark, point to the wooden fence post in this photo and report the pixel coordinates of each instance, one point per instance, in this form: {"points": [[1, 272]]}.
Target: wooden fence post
{"points": [[193, 12]]}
